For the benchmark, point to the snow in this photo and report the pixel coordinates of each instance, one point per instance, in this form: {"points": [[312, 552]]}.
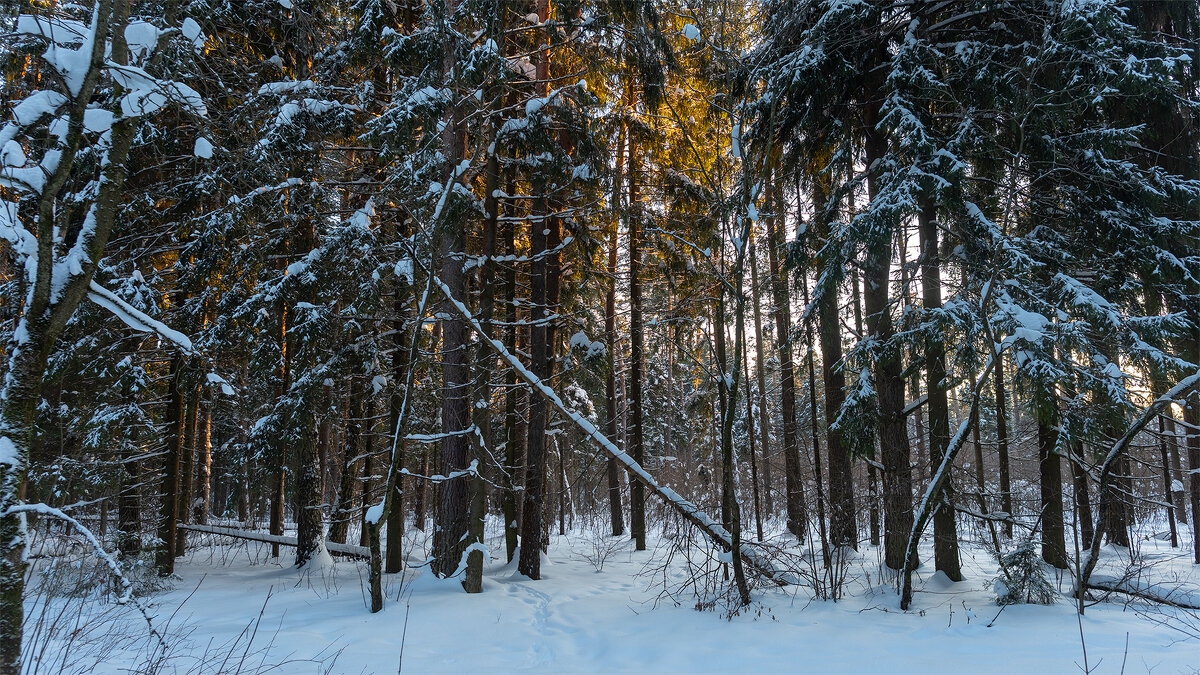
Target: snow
{"points": [[70, 45], [8, 451], [147, 94], [226, 388], [12, 154], [142, 38], [39, 103], [580, 619], [404, 269], [203, 148], [590, 349], [191, 30], [287, 87], [374, 514], [98, 120], [533, 105]]}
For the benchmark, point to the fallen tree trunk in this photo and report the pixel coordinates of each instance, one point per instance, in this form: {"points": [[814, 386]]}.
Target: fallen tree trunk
{"points": [[334, 548], [1139, 593], [714, 530]]}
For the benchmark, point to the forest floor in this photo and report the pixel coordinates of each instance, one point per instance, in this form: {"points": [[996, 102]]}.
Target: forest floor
{"points": [[235, 609]]}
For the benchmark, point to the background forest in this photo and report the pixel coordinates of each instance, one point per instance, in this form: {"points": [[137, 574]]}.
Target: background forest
{"points": [[796, 279]]}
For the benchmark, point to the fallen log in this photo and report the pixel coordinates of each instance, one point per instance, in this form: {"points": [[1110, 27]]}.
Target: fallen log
{"points": [[1139, 593], [334, 548]]}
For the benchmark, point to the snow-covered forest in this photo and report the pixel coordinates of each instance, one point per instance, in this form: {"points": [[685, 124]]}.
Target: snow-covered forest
{"points": [[600, 335]]}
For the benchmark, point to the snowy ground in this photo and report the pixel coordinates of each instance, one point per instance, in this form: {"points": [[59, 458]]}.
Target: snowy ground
{"points": [[233, 607]]}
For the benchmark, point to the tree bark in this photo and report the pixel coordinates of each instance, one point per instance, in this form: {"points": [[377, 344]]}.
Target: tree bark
{"points": [[129, 504], [615, 511], [309, 414], [843, 525], [889, 383], [203, 499], [945, 535], [1178, 481], [872, 479], [760, 368], [745, 365], [727, 395], [816, 441], [450, 532], [514, 441], [187, 466], [174, 421], [637, 497], [1054, 547], [45, 315], [279, 456], [797, 518], [1002, 446], [339, 524]]}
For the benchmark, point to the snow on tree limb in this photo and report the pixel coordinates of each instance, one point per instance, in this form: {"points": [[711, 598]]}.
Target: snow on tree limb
{"points": [[126, 595], [135, 318]]}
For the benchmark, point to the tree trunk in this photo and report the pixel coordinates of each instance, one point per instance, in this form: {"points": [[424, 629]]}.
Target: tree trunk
{"points": [[187, 466], [308, 490], [514, 441], [203, 498], [793, 483], [727, 394], [637, 496], [44, 316], [843, 526], [1178, 482], [174, 421], [339, 524], [945, 535], [450, 532], [1176, 510], [816, 442], [1002, 446], [1191, 419], [980, 474], [745, 365], [366, 493], [616, 517], [872, 479], [1115, 499], [889, 384], [760, 366], [484, 359], [279, 456], [1054, 547], [311, 412], [1168, 494], [129, 504], [400, 348]]}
